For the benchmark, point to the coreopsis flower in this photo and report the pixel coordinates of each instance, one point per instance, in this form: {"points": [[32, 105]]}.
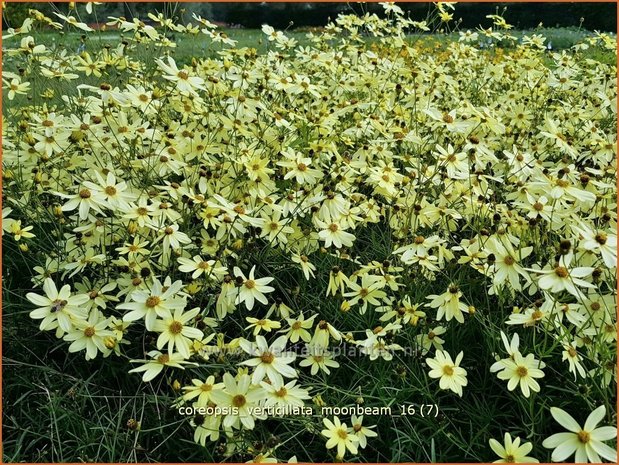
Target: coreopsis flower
{"points": [[323, 333], [251, 289], [239, 396], [337, 281], [171, 238], [15, 228], [153, 367], [571, 355], [207, 427], [306, 266], [599, 242], [16, 87], [185, 82], [369, 291], [153, 303], [562, 277], [334, 233], [58, 308], [90, 334], [262, 324], [451, 375], [283, 395], [84, 200], [74, 22], [431, 339], [319, 360], [587, 442], [339, 436], [449, 304], [115, 194], [512, 451], [201, 392], [175, 331], [271, 361], [298, 328], [198, 266], [521, 371], [362, 432]]}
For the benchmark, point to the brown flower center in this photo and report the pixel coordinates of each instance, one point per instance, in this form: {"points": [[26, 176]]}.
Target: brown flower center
{"points": [[176, 327], [239, 400], [522, 371], [89, 332], [601, 238], [152, 301], [583, 437], [267, 357], [561, 272]]}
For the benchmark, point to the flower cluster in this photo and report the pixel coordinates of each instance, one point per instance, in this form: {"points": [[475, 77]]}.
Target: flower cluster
{"points": [[374, 194]]}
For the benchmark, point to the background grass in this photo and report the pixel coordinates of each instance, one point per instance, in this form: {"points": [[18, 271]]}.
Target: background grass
{"points": [[59, 408]]}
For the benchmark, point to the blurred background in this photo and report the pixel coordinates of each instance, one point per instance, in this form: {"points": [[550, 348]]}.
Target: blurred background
{"points": [[590, 16]]}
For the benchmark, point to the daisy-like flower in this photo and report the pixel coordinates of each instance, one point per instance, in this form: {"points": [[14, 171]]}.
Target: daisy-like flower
{"points": [[197, 266], [239, 397], [251, 289], [152, 368], [369, 291], [563, 278], [184, 81], [115, 194], [521, 371], [298, 328], [16, 87], [600, 242], [90, 335], [262, 324], [201, 392], [449, 305], [175, 332], [321, 360], [271, 361], [307, 267], [362, 432], [84, 200], [57, 309], [283, 395], [156, 302], [340, 436], [512, 451], [431, 339], [586, 442], [334, 233], [451, 375]]}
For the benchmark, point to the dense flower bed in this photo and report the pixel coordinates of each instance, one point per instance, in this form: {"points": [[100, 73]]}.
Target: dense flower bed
{"points": [[252, 223]]}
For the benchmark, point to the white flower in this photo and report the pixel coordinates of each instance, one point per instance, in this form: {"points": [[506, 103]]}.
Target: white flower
{"points": [[270, 361], [512, 451], [252, 289], [586, 442], [451, 375]]}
